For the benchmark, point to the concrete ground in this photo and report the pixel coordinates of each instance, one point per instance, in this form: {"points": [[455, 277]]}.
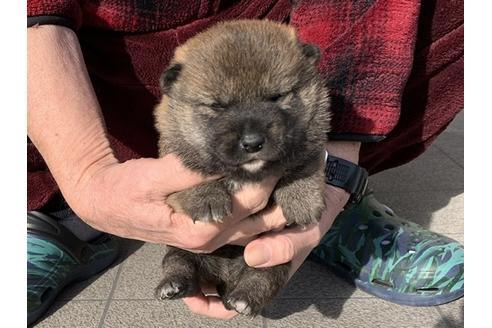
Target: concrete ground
{"points": [[428, 191]]}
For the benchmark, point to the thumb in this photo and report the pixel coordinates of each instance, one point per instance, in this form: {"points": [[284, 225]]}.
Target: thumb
{"points": [[281, 247]]}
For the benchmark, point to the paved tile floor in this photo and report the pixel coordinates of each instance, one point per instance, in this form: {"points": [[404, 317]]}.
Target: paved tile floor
{"points": [[429, 191]]}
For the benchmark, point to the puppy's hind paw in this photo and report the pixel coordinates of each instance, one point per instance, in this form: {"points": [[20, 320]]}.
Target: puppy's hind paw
{"points": [[240, 306], [170, 290]]}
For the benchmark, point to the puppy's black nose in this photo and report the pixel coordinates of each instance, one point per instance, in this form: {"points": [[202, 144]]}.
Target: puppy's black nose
{"points": [[252, 142]]}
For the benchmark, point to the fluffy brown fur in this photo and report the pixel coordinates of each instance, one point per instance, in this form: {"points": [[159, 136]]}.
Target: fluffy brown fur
{"points": [[242, 99]]}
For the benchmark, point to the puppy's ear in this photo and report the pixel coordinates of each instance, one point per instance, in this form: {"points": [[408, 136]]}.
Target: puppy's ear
{"points": [[311, 52], [169, 76]]}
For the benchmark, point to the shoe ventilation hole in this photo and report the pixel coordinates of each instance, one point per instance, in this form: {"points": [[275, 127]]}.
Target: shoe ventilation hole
{"points": [[382, 283], [429, 289], [376, 213], [363, 227], [343, 266], [389, 211], [389, 227], [47, 293], [385, 242]]}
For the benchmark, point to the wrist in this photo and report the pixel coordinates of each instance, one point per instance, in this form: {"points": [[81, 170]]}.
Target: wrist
{"points": [[337, 196], [91, 155], [347, 150], [75, 171]]}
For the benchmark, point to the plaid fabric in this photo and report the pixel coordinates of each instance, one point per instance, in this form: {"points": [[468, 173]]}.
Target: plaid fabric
{"points": [[433, 94], [367, 51], [367, 45], [370, 63], [68, 9], [152, 15]]}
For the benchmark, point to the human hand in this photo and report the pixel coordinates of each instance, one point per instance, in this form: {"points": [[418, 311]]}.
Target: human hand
{"points": [[294, 245], [129, 200]]}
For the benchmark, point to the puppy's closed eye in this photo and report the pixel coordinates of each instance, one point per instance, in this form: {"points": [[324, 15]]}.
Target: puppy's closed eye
{"points": [[279, 96], [275, 97], [217, 106]]}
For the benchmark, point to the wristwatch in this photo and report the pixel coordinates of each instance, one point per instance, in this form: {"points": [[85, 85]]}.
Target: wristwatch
{"points": [[346, 175]]}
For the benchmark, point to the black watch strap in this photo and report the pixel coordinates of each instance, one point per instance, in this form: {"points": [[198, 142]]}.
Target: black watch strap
{"points": [[346, 175]]}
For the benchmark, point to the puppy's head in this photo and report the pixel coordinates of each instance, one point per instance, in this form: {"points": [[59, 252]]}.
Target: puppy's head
{"points": [[246, 97]]}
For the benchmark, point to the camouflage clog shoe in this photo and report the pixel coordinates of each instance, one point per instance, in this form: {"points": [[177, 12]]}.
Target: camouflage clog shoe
{"points": [[392, 258], [56, 258]]}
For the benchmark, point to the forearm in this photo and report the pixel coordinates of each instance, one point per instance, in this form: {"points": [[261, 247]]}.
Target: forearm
{"points": [[64, 120]]}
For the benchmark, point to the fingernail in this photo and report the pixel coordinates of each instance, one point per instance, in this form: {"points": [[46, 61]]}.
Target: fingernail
{"points": [[257, 255]]}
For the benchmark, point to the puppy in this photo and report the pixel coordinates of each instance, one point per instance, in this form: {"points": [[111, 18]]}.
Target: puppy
{"points": [[243, 100]]}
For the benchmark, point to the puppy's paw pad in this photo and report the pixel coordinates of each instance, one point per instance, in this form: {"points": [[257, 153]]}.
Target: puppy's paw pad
{"points": [[240, 306], [169, 290]]}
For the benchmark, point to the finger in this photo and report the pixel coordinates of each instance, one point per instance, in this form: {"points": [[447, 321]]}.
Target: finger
{"points": [[281, 247], [243, 241], [252, 198], [168, 175], [266, 220], [195, 236], [209, 306]]}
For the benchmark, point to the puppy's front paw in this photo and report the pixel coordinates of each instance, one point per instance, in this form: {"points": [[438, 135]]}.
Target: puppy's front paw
{"points": [[301, 214], [210, 208], [302, 200], [208, 202]]}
